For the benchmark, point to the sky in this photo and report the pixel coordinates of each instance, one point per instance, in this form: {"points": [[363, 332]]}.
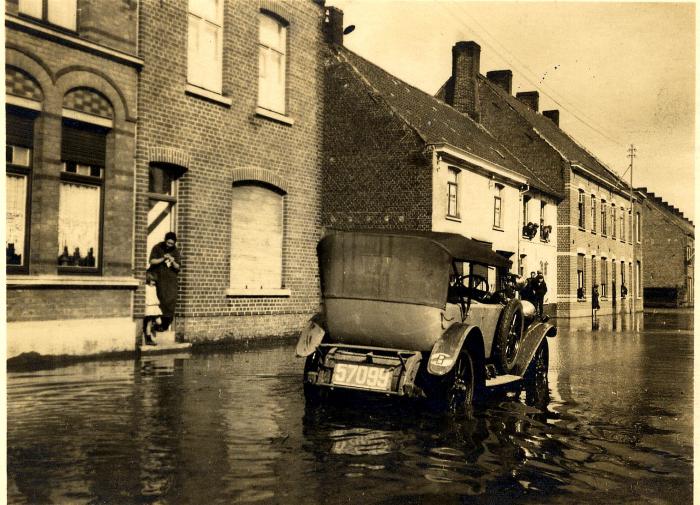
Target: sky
{"points": [[619, 73]]}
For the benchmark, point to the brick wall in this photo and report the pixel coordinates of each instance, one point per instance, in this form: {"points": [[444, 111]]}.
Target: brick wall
{"points": [[664, 245], [219, 139], [573, 240], [375, 175], [57, 304], [59, 67]]}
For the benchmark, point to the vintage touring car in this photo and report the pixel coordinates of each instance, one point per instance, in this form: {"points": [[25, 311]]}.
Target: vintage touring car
{"points": [[408, 314]]}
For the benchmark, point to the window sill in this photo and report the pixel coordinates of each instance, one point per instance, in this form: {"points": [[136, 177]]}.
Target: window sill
{"points": [[19, 281], [240, 293], [218, 98], [456, 219], [496, 228], [275, 116], [581, 300], [581, 229]]}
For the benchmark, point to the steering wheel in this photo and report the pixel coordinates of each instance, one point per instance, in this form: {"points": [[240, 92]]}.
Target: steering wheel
{"points": [[477, 285]]}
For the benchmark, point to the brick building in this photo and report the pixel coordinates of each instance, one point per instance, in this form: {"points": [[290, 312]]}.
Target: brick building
{"points": [[594, 239], [71, 82], [669, 254], [397, 158], [228, 156]]}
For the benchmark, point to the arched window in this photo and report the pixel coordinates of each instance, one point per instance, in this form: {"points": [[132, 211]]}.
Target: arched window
{"points": [[87, 120], [257, 237]]}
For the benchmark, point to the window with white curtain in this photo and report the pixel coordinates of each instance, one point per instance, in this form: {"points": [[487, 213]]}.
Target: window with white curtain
{"points": [[78, 225], [204, 44], [83, 148], [272, 62], [16, 218], [63, 13], [257, 229], [18, 162]]}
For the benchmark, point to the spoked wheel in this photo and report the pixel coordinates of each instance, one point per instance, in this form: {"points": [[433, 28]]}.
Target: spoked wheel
{"points": [[314, 395], [459, 388], [508, 335], [536, 378]]}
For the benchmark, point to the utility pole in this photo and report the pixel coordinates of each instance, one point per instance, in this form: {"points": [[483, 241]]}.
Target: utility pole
{"points": [[633, 274]]}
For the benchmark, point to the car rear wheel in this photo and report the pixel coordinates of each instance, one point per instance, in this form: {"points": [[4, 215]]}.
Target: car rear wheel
{"points": [[508, 334], [313, 394], [459, 386]]}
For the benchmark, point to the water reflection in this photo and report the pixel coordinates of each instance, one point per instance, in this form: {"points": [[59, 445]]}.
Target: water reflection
{"points": [[233, 428]]}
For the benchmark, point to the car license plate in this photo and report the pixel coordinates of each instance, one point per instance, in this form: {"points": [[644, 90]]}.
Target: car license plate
{"points": [[362, 376]]}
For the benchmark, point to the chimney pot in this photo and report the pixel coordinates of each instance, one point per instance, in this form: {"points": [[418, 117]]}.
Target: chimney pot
{"points": [[333, 26], [501, 78], [553, 115], [462, 93], [529, 98]]}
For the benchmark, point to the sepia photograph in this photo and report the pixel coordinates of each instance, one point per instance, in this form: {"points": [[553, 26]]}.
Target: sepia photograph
{"points": [[349, 252]]}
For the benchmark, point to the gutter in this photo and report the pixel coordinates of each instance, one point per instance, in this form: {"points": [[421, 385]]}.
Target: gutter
{"points": [[479, 163], [577, 166]]}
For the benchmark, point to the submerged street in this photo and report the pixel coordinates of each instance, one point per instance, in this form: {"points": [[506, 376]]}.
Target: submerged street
{"points": [[232, 427]]}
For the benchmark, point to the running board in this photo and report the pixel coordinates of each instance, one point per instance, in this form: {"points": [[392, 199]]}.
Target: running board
{"points": [[500, 380]]}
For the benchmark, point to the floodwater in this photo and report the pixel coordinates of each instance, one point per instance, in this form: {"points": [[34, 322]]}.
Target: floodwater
{"points": [[233, 428]]}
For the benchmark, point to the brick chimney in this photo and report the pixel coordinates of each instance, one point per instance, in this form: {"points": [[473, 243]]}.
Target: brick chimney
{"points": [[462, 93], [553, 115], [529, 98], [333, 26], [502, 79]]}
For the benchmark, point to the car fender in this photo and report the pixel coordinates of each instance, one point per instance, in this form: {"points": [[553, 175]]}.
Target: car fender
{"points": [[531, 340], [310, 338], [446, 350]]}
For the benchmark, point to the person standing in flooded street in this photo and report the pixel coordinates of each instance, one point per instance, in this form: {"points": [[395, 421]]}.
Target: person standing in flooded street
{"points": [[165, 266]]}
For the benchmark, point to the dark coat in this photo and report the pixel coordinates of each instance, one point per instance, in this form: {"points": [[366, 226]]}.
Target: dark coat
{"points": [[595, 299], [166, 278]]}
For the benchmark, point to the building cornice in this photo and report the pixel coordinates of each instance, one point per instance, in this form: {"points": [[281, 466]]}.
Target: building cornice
{"points": [[478, 163], [69, 40], [577, 167]]}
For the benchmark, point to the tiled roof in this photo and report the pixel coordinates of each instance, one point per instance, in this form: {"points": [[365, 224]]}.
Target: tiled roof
{"points": [[558, 140], [435, 121]]}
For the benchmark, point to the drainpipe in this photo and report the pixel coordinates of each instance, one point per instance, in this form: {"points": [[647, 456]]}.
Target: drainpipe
{"points": [[521, 192]]}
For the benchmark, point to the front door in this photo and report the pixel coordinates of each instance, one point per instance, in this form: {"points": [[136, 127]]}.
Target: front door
{"points": [[162, 199]]}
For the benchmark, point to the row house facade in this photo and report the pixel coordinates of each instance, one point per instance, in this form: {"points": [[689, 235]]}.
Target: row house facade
{"points": [[595, 239], [669, 253], [228, 157], [396, 158], [71, 110]]}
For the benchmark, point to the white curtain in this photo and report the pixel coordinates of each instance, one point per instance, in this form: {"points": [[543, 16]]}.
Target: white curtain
{"points": [[16, 211], [78, 219]]}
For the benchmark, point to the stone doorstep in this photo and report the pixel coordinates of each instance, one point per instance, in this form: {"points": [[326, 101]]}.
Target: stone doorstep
{"points": [[165, 341], [164, 347]]}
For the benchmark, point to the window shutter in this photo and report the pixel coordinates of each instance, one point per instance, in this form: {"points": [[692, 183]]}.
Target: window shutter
{"points": [[83, 143], [256, 238], [20, 129]]}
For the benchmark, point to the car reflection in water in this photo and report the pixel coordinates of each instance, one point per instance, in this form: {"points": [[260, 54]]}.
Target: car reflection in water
{"points": [[391, 441]]}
